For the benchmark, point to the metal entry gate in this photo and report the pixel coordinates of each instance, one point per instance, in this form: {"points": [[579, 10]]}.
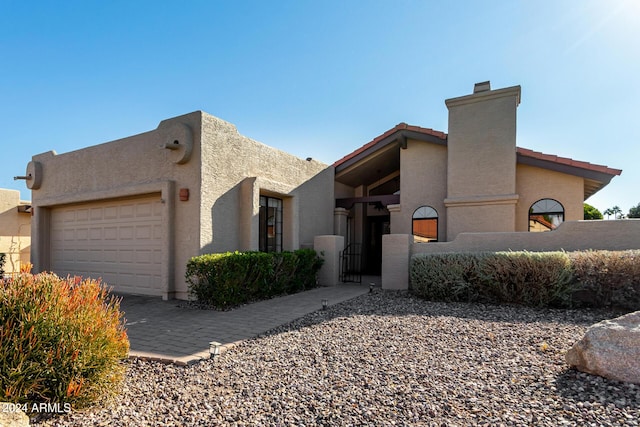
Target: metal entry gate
{"points": [[351, 263]]}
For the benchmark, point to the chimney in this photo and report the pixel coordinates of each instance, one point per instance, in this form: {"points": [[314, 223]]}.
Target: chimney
{"points": [[481, 160], [482, 87]]}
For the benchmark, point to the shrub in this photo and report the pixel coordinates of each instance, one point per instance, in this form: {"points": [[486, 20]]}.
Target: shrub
{"points": [[534, 279], [537, 279], [573, 279], [445, 277], [234, 278], [607, 278], [61, 340], [3, 257]]}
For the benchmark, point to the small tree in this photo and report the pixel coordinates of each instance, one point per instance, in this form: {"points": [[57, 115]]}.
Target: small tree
{"points": [[634, 212], [591, 212], [615, 211]]}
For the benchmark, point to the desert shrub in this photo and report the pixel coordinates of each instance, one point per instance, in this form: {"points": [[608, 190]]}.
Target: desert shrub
{"points": [[607, 278], [529, 278], [446, 276], [61, 340], [233, 278], [3, 257], [571, 279]]}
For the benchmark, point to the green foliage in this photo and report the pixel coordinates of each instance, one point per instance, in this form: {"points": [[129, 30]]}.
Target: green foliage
{"points": [[3, 257], [591, 212], [607, 278], [615, 211], [537, 279], [534, 279], [61, 340], [574, 279], [634, 212], [446, 276], [233, 278]]}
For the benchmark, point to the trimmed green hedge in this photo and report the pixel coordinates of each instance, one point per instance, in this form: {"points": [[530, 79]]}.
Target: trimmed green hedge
{"points": [[556, 279], [229, 279]]}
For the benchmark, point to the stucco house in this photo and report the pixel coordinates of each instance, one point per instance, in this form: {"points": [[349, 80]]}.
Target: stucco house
{"points": [[15, 230], [433, 186], [133, 211]]}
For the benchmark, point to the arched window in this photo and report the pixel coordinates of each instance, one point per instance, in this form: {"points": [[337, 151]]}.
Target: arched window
{"points": [[425, 224], [545, 215]]}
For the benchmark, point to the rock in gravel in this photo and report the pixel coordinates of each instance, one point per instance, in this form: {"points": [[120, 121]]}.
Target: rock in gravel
{"points": [[12, 415], [610, 349], [382, 359]]}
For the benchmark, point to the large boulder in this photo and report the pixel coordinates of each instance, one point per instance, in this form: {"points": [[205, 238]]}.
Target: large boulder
{"points": [[12, 416], [610, 349]]}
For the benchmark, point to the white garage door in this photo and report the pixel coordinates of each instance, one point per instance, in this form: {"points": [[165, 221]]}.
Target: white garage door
{"points": [[118, 241]]}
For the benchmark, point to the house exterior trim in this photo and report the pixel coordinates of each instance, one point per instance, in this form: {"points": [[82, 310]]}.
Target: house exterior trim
{"points": [[507, 199]]}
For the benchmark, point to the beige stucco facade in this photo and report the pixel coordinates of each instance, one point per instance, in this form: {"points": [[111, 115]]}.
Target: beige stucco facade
{"points": [[135, 210], [481, 160], [423, 172], [15, 230], [535, 183], [475, 179]]}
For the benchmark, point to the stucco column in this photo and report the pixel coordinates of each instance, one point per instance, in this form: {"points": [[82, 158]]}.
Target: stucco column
{"points": [[340, 221], [396, 252], [328, 248], [394, 217]]}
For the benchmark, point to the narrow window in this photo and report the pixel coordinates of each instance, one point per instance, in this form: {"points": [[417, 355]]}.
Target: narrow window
{"points": [[425, 224], [270, 228], [545, 215]]}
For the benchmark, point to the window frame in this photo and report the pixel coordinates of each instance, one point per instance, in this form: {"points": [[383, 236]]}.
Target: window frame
{"points": [[548, 213], [264, 234], [427, 215]]}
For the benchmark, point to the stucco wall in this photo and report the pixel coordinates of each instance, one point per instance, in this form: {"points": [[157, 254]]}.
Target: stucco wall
{"points": [[236, 170], [533, 184], [129, 167], [481, 141], [481, 161], [569, 236], [423, 172], [15, 231], [223, 172]]}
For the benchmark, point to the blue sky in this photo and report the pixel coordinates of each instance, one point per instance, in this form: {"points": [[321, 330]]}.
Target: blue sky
{"points": [[320, 78]]}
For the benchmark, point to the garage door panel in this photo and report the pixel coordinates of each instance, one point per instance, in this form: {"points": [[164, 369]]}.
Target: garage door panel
{"points": [[118, 241], [126, 211], [125, 232]]}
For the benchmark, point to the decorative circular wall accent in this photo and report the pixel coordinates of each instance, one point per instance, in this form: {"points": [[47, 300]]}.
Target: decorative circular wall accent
{"points": [[34, 175], [178, 138]]}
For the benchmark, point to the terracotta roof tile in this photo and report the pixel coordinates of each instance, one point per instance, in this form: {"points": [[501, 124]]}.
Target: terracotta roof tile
{"points": [[567, 161], [397, 128], [522, 151]]}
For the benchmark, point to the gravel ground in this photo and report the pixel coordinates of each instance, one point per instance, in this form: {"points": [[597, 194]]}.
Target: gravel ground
{"points": [[383, 359]]}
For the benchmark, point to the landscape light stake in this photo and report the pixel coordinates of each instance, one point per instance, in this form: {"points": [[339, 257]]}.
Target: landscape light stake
{"points": [[214, 349], [325, 304]]}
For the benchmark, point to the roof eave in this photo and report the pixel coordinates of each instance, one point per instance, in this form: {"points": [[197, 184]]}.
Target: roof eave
{"points": [[396, 135], [596, 178]]}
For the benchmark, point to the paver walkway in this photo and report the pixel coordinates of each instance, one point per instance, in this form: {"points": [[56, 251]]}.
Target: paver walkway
{"points": [[171, 332]]}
